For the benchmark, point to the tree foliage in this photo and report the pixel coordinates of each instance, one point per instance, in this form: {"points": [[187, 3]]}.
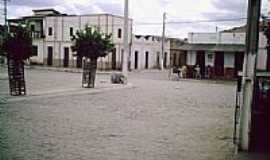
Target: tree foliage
{"points": [[18, 43], [91, 43]]}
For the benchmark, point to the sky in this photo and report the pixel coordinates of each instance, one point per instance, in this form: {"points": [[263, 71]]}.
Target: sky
{"points": [[182, 16]]}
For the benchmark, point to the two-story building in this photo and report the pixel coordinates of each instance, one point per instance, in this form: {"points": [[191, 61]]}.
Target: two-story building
{"points": [[52, 32]]}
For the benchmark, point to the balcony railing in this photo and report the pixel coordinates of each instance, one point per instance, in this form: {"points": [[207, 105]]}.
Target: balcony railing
{"points": [[37, 34]]}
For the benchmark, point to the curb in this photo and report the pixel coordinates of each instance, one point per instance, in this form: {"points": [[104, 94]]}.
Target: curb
{"points": [[70, 93], [69, 70]]}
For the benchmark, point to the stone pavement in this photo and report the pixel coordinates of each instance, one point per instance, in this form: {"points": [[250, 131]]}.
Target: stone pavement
{"points": [[61, 69], [48, 83], [155, 119]]}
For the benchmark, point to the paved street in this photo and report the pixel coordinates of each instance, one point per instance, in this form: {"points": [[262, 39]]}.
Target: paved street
{"points": [[156, 119]]}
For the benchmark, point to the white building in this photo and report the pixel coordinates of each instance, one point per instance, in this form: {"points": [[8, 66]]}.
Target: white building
{"points": [[230, 38], [146, 52], [52, 32], [222, 51]]}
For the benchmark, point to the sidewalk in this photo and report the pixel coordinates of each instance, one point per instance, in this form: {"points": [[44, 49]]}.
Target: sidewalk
{"points": [[61, 69], [70, 92], [48, 82]]}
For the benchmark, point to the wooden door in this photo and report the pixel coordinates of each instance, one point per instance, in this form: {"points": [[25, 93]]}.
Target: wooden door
{"points": [[219, 64], [114, 59], [50, 56], [200, 60], [66, 57], [79, 62], [136, 60], [146, 60], [238, 64]]}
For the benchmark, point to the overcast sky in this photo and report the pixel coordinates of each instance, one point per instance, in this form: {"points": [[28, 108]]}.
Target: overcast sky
{"points": [[150, 11]]}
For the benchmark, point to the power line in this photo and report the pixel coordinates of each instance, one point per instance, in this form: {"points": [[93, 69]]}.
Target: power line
{"points": [[195, 21]]}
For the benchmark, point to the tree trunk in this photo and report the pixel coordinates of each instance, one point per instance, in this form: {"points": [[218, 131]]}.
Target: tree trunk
{"points": [[16, 77], [89, 73]]}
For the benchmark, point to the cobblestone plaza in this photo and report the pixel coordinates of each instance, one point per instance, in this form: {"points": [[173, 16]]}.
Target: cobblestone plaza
{"points": [[154, 119]]}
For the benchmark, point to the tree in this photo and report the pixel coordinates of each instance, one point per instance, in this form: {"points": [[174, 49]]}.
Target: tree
{"points": [[17, 46], [91, 44]]}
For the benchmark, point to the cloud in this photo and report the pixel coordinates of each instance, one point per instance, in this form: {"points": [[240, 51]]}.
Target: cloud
{"points": [[35, 3], [113, 8], [151, 11], [232, 9]]}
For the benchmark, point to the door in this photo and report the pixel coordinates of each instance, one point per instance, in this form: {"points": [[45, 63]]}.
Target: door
{"points": [[136, 60], [260, 116], [268, 59], [79, 62], [219, 64], [165, 60], [50, 56], [66, 56], [146, 60], [174, 59], [114, 59], [183, 58], [200, 60], [238, 64], [158, 60]]}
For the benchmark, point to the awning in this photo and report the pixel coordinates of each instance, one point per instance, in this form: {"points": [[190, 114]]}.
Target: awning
{"points": [[212, 47]]}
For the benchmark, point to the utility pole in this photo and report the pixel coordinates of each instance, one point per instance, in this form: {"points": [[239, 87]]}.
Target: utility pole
{"points": [[125, 41], [163, 42], [249, 72], [5, 12], [5, 23]]}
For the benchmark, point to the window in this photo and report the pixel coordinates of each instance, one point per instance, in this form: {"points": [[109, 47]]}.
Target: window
{"points": [[119, 33], [34, 50], [50, 31], [71, 31]]}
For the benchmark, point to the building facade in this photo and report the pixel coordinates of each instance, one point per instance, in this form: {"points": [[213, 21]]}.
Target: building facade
{"points": [[146, 52], [52, 32], [178, 57], [222, 52]]}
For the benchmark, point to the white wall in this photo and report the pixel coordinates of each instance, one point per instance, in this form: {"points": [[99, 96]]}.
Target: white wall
{"points": [[61, 33], [223, 38], [231, 38], [202, 38], [191, 57], [152, 46], [39, 57], [262, 59], [209, 58]]}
